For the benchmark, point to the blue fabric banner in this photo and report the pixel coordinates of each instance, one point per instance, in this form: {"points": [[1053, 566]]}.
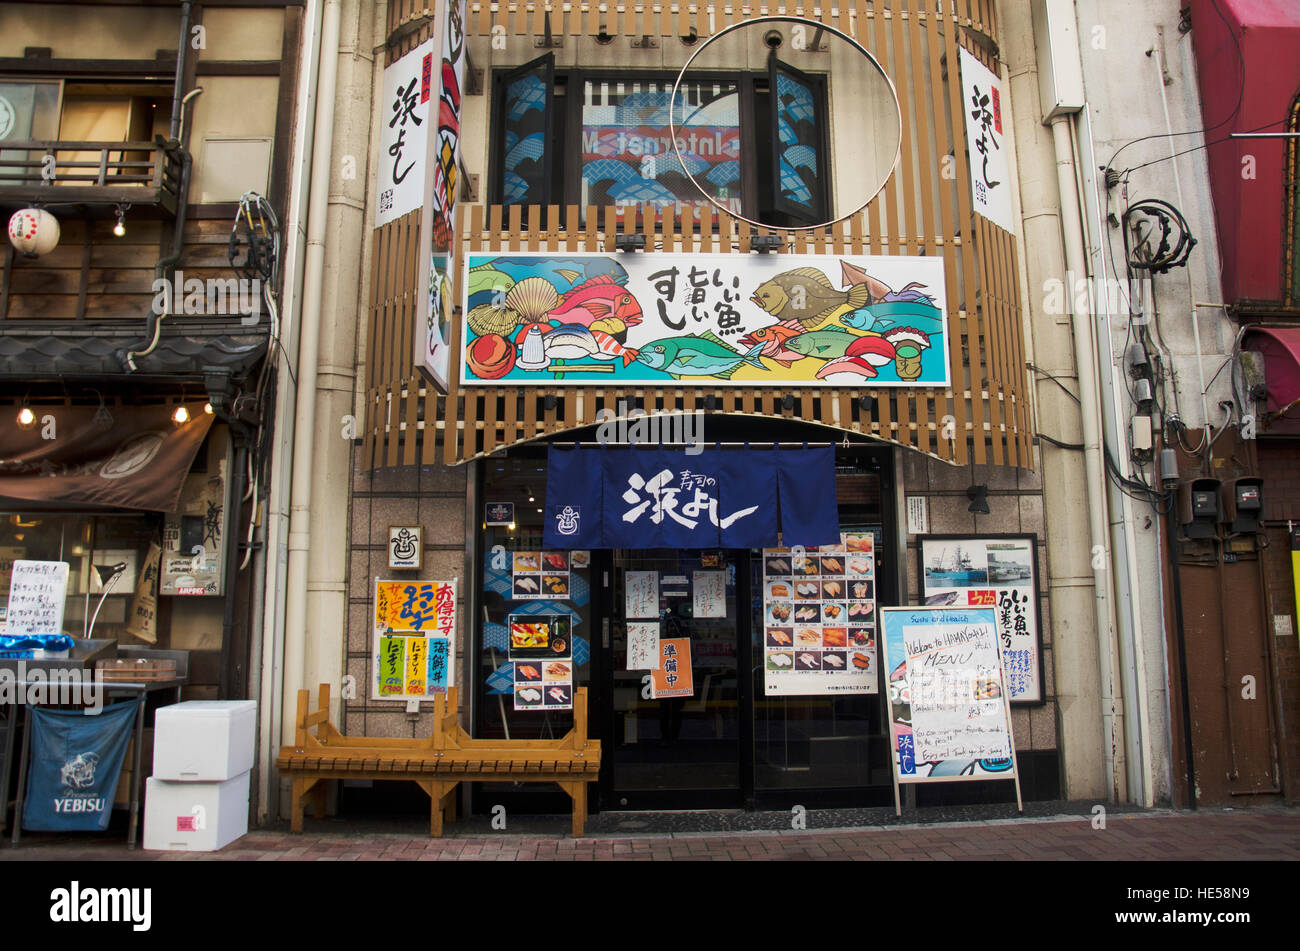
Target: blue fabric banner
{"points": [[809, 509], [663, 498], [75, 763]]}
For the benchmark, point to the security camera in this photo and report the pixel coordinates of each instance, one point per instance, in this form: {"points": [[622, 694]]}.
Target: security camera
{"points": [[773, 39]]}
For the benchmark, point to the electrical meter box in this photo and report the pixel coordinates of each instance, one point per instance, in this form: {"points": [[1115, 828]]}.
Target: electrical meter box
{"points": [[1243, 503], [1198, 507]]}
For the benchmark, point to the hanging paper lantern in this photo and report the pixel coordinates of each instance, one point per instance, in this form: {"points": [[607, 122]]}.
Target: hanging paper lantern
{"points": [[33, 231]]}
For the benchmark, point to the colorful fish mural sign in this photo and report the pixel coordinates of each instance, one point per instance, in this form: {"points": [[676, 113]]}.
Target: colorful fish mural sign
{"points": [[751, 320]]}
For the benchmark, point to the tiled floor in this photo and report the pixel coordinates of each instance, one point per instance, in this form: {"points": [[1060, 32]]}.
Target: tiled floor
{"points": [[1265, 833]]}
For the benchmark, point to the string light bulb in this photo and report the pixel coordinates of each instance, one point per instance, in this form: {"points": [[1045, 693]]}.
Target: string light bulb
{"points": [[26, 418], [207, 408], [181, 416], [119, 229]]}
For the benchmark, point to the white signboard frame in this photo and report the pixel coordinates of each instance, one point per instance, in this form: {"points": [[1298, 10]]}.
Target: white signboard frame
{"points": [[42, 582], [393, 199], [962, 634]]}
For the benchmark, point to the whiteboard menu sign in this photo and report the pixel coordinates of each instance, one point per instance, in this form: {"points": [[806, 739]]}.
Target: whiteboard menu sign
{"points": [[37, 590], [948, 712], [819, 618]]}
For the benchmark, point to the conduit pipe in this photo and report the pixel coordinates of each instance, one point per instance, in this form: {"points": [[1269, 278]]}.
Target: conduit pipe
{"points": [[295, 621], [266, 682], [1090, 413]]}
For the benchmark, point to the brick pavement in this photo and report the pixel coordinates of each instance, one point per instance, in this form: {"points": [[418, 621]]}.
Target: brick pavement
{"points": [[1265, 834]]}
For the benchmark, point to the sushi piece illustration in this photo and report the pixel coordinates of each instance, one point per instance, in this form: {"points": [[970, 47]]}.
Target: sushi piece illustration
{"points": [[833, 565], [528, 672], [860, 567], [832, 589], [834, 637], [861, 661], [831, 610], [530, 696], [557, 670], [556, 562], [834, 660], [778, 564], [523, 562], [780, 660], [558, 695], [809, 637], [780, 637], [780, 591], [808, 660], [557, 584], [857, 609], [526, 584], [859, 589]]}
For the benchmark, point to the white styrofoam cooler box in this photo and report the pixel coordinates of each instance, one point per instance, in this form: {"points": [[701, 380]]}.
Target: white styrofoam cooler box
{"points": [[194, 817], [204, 741]]}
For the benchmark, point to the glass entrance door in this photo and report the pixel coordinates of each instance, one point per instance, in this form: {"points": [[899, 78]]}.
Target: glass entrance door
{"points": [[679, 751]]}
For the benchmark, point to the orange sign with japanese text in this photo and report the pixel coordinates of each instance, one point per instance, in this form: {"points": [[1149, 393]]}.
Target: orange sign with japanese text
{"points": [[674, 678]]}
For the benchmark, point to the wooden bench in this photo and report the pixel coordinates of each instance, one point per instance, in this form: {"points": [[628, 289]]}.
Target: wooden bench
{"points": [[436, 763]]}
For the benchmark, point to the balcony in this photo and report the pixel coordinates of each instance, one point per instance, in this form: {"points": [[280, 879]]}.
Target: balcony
{"points": [[140, 174]]}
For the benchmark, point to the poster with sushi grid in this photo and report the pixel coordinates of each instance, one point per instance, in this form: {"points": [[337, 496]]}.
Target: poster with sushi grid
{"points": [[819, 619], [539, 576], [544, 684]]}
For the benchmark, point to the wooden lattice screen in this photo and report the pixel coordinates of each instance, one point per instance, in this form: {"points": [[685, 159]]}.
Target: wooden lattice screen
{"points": [[924, 209]]}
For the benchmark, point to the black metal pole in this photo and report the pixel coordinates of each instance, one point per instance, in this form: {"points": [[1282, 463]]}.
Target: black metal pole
{"points": [[229, 678]]}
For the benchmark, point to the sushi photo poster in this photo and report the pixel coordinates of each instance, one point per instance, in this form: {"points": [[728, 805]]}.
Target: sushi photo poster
{"points": [[541, 654], [819, 618], [580, 318], [949, 717], [414, 649], [997, 571]]}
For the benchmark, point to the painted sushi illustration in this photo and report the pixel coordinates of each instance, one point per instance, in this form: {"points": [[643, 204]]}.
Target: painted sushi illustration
{"points": [[582, 317]]}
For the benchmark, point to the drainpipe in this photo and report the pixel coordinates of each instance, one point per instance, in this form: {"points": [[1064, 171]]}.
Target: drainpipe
{"points": [[267, 676], [295, 624], [1085, 357]]}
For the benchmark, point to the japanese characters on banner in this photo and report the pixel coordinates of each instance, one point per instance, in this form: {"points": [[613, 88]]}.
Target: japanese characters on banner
{"points": [[539, 576], [404, 133], [721, 319], [437, 240], [674, 677], [996, 572], [37, 593], [990, 175], [709, 499], [541, 652], [819, 619], [948, 711], [414, 639]]}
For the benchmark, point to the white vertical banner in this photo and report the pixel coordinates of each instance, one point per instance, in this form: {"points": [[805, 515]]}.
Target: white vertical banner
{"points": [[408, 108], [986, 147], [441, 182]]}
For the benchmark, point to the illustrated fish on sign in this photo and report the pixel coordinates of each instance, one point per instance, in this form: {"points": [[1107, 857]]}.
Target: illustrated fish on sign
{"points": [[829, 344], [805, 294], [860, 361], [599, 297], [773, 340], [696, 355]]}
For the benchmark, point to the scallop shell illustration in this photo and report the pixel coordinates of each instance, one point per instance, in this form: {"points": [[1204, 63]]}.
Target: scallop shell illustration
{"points": [[532, 297], [492, 319]]}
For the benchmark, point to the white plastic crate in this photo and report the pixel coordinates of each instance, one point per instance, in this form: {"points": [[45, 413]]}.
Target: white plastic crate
{"points": [[204, 740], [194, 817]]}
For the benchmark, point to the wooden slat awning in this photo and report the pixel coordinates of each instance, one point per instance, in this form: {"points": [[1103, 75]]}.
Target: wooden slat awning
{"points": [[925, 209]]}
